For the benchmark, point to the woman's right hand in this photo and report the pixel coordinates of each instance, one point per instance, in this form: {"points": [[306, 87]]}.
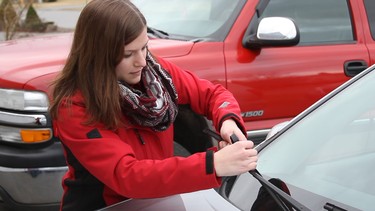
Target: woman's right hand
{"points": [[235, 159]]}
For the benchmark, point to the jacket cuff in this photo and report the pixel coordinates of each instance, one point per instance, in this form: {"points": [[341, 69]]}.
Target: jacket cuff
{"points": [[209, 161], [210, 168]]}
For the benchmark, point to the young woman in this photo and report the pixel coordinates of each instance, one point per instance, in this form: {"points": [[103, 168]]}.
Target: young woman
{"points": [[114, 108]]}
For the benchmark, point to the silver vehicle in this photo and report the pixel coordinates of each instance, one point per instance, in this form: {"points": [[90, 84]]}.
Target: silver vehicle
{"points": [[323, 159]]}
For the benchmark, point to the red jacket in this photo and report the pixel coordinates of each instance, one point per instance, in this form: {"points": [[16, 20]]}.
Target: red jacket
{"points": [[106, 167]]}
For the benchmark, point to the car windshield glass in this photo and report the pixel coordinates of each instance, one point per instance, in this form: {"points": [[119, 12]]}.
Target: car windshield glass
{"points": [[327, 157], [194, 18], [332, 149]]}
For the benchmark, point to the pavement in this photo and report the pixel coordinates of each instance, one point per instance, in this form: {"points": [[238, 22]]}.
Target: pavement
{"points": [[60, 3], [63, 14]]}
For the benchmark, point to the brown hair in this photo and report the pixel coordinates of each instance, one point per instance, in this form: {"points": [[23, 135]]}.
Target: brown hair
{"points": [[103, 29]]}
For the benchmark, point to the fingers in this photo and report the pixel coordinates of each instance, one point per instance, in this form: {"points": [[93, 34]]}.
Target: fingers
{"points": [[248, 153], [251, 166], [223, 144], [235, 159], [250, 161], [244, 145], [228, 128], [253, 155], [237, 132], [248, 145]]}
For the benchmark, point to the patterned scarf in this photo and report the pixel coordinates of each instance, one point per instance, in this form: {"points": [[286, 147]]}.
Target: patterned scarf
{"points": [[156, 107]]}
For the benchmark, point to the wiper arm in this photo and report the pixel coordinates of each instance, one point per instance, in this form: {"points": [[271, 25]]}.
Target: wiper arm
{"points": [[157, 33], [274, 191], [269, 190], [332, 207], [272, 188]]}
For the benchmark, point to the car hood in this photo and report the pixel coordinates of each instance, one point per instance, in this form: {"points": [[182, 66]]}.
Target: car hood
{"points": [[26, 63], [25, 59], [208, 200]]}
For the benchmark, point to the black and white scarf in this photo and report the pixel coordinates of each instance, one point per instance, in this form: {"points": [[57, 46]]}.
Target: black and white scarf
{"points": [[156, 107]]}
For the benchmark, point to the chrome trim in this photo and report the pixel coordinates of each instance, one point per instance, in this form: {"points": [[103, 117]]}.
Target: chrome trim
{"points": [[24, 100], [33, 186], [23, 119], [258, 133]]}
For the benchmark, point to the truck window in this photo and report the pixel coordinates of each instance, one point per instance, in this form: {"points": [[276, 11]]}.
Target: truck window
{"points": [[370, 5], [317, 21]]}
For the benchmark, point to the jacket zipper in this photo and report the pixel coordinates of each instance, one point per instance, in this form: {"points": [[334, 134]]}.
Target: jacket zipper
{"points": [[139, 137]]}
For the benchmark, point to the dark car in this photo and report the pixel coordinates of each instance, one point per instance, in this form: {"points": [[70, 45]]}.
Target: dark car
{"points": [[323, 159]]}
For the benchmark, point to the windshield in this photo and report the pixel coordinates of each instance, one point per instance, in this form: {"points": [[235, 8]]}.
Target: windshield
{"points": [[193, 18], [326, 157]]}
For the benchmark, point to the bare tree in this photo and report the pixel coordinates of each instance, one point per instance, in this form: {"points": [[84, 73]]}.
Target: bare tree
{"points": [[10, 16]]}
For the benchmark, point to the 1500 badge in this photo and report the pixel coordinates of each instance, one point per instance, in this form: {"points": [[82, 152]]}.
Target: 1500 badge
{"points": [[252, 113]]}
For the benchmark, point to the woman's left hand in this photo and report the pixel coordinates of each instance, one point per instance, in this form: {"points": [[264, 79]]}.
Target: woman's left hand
{"points": [[228, 128]]}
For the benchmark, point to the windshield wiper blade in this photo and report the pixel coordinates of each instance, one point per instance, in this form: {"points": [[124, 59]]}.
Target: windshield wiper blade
{"points": [[274, 191], [275, 197], [157, 33], [272, 188]]}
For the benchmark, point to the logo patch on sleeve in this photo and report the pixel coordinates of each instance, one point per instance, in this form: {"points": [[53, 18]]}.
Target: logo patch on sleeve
{"points": [[224, 105]]}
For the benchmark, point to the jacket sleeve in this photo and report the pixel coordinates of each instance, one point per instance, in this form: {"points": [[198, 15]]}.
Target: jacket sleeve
{"points": [[205, 98], [112, 161]]}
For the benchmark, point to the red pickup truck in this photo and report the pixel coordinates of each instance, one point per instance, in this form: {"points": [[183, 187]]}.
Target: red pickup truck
{"points": [[276, 56]]}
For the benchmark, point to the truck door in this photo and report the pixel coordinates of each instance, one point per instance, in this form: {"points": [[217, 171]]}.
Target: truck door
{"points": [[274, 84]]}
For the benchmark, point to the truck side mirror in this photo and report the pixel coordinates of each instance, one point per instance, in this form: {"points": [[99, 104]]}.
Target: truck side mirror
{"points": [[276, 128], [273, 31]]}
